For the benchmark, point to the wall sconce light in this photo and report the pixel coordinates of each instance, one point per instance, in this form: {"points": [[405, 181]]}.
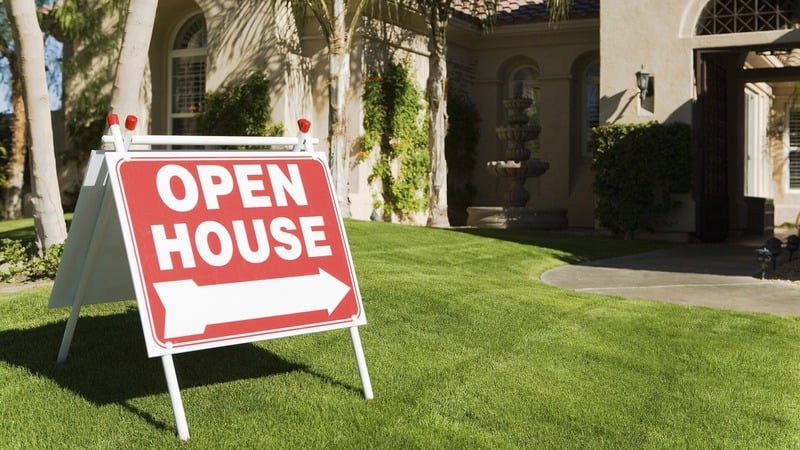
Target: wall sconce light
{"points": [[642, 82]]}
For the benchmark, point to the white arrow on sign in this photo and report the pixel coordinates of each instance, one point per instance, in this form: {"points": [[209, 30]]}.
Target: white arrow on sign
{"points": [[190, 308]]}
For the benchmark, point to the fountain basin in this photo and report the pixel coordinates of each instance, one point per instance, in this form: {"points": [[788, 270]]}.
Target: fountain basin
{"points": [[517, 103], [518, 133], [526, 169], [503, 217]]}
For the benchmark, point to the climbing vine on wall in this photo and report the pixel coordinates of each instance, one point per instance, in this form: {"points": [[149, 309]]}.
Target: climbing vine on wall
{"points": [[395, 123]]}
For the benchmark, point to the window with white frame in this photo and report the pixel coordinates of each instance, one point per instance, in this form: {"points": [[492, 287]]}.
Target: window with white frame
{"points": [[187, 66], [523, 83], [590, 104], [794, 147]]}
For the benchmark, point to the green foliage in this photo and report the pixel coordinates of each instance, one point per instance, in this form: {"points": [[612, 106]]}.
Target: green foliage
{"points": [[638, 168], [461, 146], [240, 110], [79, 24], [395, 121], [20, 262], [46, 265], [12, 258], [85, 122]]}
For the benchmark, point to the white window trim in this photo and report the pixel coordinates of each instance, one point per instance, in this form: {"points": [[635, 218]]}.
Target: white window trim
{"points": [[172, 54]]}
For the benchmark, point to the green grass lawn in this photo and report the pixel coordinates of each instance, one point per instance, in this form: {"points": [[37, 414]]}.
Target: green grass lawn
{"points": [[466, 348], [21, 229]]}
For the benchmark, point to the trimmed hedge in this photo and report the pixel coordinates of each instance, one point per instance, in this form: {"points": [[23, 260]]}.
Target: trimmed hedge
{"points": [[638, 169]]}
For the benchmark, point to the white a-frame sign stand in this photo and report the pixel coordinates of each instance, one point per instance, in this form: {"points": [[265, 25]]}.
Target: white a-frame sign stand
{"points": [[218, 247]]}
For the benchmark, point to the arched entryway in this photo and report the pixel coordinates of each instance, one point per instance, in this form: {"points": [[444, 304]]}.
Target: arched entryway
{"points": [[738, 81]]}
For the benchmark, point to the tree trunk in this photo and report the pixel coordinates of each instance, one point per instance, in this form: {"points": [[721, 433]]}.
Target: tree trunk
{"points": [[339, 154], [48, 217], [437, 98], [133, 58], [15, 171]]}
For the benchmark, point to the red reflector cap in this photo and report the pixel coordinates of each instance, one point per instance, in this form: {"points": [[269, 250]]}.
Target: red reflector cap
{"points": [[112, 119], [304, 125], [130, 123]]}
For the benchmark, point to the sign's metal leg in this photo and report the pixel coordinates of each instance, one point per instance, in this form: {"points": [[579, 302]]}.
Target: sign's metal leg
{"points": [[362, 363], [77, 301], [175, 397], [69, 331]]}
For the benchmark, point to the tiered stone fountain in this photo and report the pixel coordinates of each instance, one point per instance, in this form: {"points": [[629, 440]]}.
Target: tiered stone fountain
{"points": [[517, 167]]}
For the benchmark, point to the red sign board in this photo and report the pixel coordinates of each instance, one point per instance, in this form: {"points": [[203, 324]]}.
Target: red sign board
{"points": [[233, 247]]}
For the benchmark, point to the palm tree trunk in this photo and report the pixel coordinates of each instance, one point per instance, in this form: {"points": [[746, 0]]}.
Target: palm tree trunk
{"points": [[437, 98], [48, 217], [339, 155], [131, 70], [15, 171]]}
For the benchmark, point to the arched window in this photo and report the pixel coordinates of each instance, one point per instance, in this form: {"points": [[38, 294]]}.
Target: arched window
{"points": [[744, 16], [590, 105], [187, 76], [523, 82]]}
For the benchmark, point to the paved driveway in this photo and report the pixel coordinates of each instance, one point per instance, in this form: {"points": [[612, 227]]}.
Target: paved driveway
{"points": [[713, 275]]}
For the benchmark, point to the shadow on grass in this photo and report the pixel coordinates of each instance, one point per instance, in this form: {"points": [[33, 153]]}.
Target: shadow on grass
{"points": [[26, 234], [579, 247], [108, 362]]}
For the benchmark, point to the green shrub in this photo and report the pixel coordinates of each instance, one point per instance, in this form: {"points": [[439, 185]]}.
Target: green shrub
{"points": [[18, 262], [395, 121], [47, 265], [638, 169], [240, 110], [12, 258]]}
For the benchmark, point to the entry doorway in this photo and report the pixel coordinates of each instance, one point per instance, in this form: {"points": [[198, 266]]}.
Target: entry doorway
{"points": [[744, 160], [711, 143]]}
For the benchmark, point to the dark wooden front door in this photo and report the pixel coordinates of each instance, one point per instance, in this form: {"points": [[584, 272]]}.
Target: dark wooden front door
{"points": [[711, 120]]}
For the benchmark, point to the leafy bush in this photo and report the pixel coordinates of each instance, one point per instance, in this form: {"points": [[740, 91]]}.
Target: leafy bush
{"points": [[461, 146], [638, 169], [12, 258], [18, 262], [240, 110], [47, 265], [395, 121]]}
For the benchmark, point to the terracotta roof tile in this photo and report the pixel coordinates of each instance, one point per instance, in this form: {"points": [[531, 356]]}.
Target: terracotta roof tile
{"points": [[522, 11]]}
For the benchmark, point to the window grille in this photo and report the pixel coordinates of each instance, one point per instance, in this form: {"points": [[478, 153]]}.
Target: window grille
{"points": [[188, 76], [794, 148], [744, 16], [524, 82], [591, 106]]}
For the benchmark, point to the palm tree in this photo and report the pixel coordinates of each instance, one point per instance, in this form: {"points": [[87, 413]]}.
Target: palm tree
{"points": [[437, 14], [332, 16], [45, 195], [133, 57]]}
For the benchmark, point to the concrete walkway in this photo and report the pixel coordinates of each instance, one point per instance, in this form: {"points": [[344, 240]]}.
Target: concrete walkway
{"points": [[713, 275]]}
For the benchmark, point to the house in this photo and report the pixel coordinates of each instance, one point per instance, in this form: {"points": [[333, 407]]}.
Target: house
{"points": [[727, 67]]}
